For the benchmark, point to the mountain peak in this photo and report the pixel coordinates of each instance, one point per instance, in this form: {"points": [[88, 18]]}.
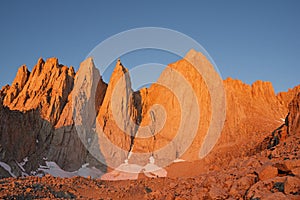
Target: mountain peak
{"points": [[87, 66], [53, 61], [88, 61], [263, 88], [119, 73], [47, 88], [21, 77], [120, 68], [192, 55]]}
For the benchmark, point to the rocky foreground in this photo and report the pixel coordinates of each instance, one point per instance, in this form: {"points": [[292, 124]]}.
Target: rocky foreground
{"points": [[271, 174]]}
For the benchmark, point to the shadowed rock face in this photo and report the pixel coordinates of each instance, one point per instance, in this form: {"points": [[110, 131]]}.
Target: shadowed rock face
{"points": [[61, 116]]}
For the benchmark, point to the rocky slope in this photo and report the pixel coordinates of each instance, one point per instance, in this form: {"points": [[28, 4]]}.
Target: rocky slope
{"points": [[270, 173], [75, 118]]}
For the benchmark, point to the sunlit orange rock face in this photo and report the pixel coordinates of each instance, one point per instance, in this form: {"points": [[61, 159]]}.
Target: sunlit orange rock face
{"points": [[252, 112], [156, 115], [294, 115], [117, 118], [170, 93], [47, 87]]}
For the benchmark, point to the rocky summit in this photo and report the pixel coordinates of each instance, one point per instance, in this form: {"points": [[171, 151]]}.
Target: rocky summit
{"points": [[190, 135]]}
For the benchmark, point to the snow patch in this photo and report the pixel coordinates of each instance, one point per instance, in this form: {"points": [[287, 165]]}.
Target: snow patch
{"points": [[25, 160], [178, 160], [7, 168], [152, 170], [128, 171], [129, 155], [86, 171], [21, 166], [53, 169]]}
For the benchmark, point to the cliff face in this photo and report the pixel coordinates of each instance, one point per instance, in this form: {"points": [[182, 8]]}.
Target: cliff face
{"points": [[46, 88], [176, 113], [117, 118], [37, 123], [53, 114], [294, 115], [252, 113], [165, 117]]}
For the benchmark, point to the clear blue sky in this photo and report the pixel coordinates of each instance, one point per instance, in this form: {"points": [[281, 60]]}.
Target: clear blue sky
{"points": [[248, 40]]}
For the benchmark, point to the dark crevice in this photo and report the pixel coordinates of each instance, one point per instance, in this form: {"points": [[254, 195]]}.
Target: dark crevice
{"points": [[137, 103]]}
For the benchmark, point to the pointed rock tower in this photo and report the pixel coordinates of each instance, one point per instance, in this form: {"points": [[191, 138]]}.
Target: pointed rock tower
{"points": [[117, 118]]}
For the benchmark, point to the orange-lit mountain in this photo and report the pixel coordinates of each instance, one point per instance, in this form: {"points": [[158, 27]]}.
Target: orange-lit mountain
{"points": [[39, 127]]}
